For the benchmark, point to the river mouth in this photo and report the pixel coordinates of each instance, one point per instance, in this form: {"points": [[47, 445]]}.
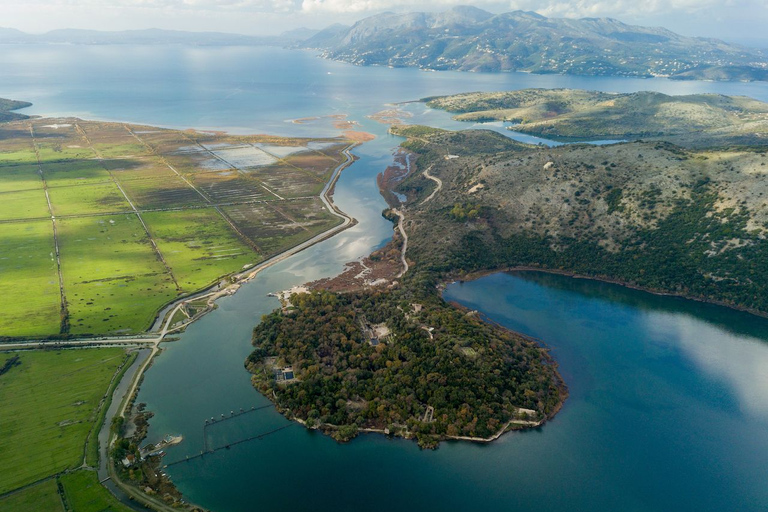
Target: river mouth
{"points": [[654, 422]]}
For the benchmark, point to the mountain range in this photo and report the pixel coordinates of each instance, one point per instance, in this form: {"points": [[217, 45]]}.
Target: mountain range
{"points": [[471, 39]]}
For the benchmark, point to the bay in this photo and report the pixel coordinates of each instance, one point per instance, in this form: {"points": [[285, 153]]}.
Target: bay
{"points": [[668, 397]]}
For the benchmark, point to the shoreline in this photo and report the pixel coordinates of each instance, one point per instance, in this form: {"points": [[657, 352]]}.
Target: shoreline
{"points": [[511, 425], [472, 276]]}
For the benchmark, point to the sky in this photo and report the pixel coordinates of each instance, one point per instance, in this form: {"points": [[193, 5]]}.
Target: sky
{"points": [[741, 21]]}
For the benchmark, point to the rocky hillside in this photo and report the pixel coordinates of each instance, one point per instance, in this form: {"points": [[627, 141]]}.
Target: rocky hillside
{"points": [[470, 39], [651, 214]]}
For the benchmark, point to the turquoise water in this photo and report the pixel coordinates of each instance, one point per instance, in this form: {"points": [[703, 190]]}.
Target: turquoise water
{"points": [[668, 397]]}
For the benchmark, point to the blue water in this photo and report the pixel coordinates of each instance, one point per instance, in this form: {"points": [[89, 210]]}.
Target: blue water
{"points": [[668, 406], [669, 398]]}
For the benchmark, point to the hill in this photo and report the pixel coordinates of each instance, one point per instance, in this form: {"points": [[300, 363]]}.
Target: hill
{"points": [[690, 120], [7, 106], [650, 214]]}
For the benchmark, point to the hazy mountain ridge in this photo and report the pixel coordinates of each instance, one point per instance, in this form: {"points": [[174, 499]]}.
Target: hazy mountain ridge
{"points": [[470, 39], [151, 36]]}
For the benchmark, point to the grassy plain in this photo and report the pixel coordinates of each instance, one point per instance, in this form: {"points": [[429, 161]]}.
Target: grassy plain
{"points": [[80, 172], [29, 282], [25, 204], [84, 493], [199, 246], [18, 155], [180, 183], [87, 199], [22, 177], [113, 278], [49, 403], [43, 497]]}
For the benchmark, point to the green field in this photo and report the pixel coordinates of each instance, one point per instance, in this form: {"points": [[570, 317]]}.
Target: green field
{"points": [[79, 172], [83, 493], [28, 276], [113, 279], [26, 204], [111, 150], [50, 402], [43, 497], [19, 154], [55, 152], [86, 199], [199, 246], [114, 276], [19, 177]]}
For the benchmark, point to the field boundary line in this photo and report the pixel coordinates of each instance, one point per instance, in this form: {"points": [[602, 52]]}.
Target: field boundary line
{"points": [[64, 311]]}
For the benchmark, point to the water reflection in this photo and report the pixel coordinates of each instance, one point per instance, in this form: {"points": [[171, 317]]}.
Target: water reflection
{"points": [[740, 362]]}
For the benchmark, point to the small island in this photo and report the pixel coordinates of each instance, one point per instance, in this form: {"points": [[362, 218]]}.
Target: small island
{"points": [[401, 362]]}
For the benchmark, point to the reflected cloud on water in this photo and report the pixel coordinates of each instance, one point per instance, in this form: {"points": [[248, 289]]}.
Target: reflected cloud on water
{"points": [[740, 362]]}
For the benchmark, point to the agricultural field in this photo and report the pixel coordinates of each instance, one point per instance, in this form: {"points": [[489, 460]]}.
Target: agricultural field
{"points": [[87, 199], [78, 172], [21, 177], [29, 282], [199, 246], [163, 192], [277, 227], [113, 277], [24, 204], [50, 401], [43, 496], [141, 216], [83, 493]]}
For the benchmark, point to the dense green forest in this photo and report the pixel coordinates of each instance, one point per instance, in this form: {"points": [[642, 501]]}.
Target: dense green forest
{"points": [[474, 375]]}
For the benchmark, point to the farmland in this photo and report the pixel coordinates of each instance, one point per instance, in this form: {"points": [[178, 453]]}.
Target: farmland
{"points": [[83, 493], [27, 263], [50, 401], [43, 496], [141, 216]]}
